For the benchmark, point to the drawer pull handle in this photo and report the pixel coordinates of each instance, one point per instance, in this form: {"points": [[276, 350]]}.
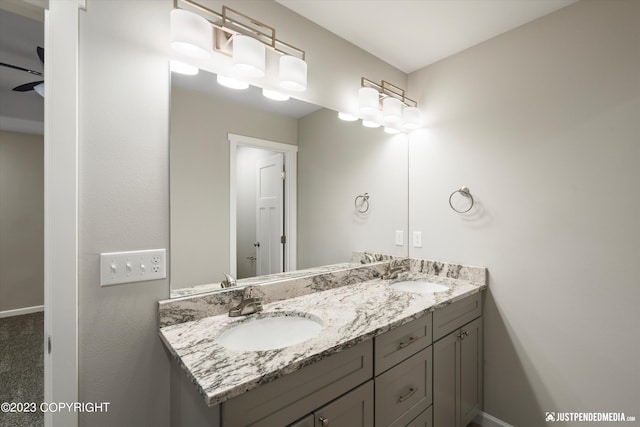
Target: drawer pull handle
{"points": [[411, 340], [412, 391], [324, 422]]}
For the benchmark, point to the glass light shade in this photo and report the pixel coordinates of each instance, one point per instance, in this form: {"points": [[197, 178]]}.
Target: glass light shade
{"points": [[40, 89], [370, 124], [231, 83], [411, 118], [274, 95], [191, 34], [391, 131], [182, 68], [391, 110], [248, 56], [368, 100], [347, 117], [293, 73]]}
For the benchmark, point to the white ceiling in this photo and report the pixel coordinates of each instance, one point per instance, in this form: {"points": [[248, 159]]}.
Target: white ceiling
{"points": [[411, 34]]}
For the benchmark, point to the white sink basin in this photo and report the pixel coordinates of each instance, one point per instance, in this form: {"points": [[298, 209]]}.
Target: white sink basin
{"points": [[269, 333], [419, 286]]}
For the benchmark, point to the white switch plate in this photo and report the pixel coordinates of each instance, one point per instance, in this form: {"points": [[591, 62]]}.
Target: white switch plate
{"points": [[399, 237], [134, 266], [417, 239]]}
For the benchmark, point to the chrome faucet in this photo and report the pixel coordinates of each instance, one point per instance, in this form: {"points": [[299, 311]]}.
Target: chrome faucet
{"points": [[248, 305], [229, 281], [392, 273]]}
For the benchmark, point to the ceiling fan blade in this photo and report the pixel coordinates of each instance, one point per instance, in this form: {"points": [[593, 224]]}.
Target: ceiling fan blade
{"points": [[41, 53], [27, 86], [15, 67]]}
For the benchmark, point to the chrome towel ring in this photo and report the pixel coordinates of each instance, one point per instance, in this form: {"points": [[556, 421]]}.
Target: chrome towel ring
{"points": [[465, 192], [362, 203]]}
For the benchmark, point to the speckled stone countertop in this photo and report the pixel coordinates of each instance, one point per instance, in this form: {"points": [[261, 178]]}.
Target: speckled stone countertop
{"points": [[349, 314]]}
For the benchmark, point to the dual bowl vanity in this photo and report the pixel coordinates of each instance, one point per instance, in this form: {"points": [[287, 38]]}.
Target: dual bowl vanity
{"points": [[391, 343]]}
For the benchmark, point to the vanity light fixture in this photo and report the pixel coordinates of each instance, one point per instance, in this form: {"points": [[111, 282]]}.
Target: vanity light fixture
{"points": [[239, 36], [231, 83], [274, 95], [190, 34], [347, 117], [182, 68], [387, 104]]}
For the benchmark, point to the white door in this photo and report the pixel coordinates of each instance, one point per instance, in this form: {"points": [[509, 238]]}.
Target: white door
{"points": [[269, 214]]}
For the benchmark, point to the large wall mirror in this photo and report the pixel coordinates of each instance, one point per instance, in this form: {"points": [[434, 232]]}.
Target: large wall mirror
{"points": [[230, 204]]}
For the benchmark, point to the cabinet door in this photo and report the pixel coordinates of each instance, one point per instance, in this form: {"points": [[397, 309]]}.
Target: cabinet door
{"points": [[446, 360], [354, 409], [307, 421], [471, 370]]}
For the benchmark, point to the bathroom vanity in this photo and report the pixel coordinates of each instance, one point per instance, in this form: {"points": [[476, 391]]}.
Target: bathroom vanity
{"points": [[384, 356]]}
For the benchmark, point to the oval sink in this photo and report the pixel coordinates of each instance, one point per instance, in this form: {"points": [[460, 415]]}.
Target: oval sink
{"points": [[269, 333], [419, 286]]}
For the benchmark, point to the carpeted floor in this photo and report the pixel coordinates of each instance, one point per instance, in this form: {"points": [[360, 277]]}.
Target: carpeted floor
{"points": [[22, 367]]}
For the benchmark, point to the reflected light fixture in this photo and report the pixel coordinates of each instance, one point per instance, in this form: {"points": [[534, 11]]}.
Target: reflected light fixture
{"points": [[190, 34], [347, 117], [387, 104], [238, 36], [231, 83], [274, 95]]}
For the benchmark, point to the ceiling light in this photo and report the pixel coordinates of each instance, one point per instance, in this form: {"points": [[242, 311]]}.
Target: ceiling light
{"points": [[231, 83], [191, 34], [274, 95], [347, 117], [248, 56], [182, 68], [293, 73]]}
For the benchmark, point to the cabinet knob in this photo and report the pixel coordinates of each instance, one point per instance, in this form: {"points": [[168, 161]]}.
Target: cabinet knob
{"points": [[324, 422]]}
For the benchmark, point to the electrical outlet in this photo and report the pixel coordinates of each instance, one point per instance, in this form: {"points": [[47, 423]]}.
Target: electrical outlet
{"points": [[133, 266]]}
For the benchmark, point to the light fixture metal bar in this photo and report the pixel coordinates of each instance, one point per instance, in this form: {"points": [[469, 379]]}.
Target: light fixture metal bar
{"points": [[231, 22], [387, 89]]}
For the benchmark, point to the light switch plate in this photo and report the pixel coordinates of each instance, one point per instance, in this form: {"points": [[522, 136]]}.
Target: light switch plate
{"points": [[417, 239], [133, 266], [399, 237]]}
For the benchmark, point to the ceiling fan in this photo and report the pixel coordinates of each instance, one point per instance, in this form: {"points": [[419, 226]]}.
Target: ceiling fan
{"points": [[38, 86]]}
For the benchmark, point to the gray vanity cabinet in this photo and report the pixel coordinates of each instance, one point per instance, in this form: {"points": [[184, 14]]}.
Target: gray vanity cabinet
{"points": [[283, 401], [457, 378], [403, 382]]}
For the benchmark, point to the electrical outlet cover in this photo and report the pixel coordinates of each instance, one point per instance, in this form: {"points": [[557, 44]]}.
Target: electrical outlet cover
{"points": [[133, 266]]}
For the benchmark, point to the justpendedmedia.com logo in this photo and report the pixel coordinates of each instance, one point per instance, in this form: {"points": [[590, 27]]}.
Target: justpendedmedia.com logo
{"points": [[588, 416]]}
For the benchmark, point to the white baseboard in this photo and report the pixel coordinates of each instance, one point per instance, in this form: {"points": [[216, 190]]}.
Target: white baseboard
{"points": [[486, 420], [20, 311]]}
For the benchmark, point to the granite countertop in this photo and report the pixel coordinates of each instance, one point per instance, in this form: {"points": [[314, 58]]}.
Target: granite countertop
{"points": [[349, 314]]}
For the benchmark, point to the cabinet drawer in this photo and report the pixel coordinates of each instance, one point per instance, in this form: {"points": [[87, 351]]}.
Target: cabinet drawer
{"points": [[404, 391], [425, 419], [396, 345], [288, 398], [451, 317]]}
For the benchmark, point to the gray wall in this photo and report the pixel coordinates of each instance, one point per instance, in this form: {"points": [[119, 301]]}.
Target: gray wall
{"points": [[200, 179], [123, 205], [338, 161], [21, 220], [542, 124]]}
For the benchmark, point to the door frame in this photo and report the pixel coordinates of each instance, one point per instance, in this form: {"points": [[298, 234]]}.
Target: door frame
{"points": [[290, 195], [61, 208]]}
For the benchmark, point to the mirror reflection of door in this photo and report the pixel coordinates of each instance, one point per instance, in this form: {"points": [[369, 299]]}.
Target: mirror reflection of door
{"points": [[260, 213]]}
